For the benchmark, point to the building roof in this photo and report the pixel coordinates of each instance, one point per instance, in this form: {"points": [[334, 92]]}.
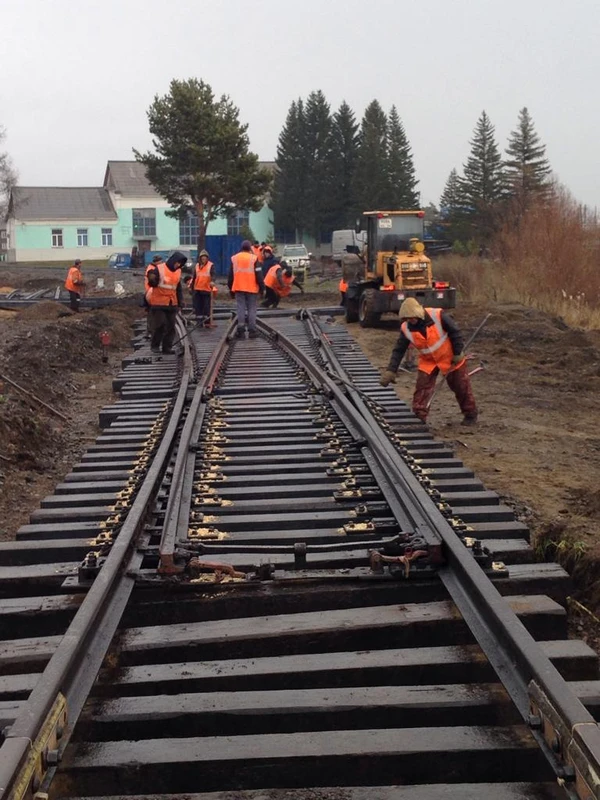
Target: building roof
{"points": [[128, 178], [61, 203]]}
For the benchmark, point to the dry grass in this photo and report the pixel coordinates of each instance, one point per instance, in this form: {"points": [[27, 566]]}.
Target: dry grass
{"points": [[549, 260]]}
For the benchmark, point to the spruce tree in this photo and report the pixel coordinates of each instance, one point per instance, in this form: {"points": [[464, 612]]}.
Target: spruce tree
{"points": [[527, 168], [371, 184], [451, 196], [401, 171], [290, 186], [316, 144], [453, 215], [483, 183], [341, 167]]}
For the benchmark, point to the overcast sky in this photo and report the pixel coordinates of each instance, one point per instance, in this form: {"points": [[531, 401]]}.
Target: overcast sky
{"points": [[78, 75]]}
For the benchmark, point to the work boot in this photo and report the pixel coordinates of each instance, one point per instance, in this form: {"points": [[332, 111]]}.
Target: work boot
{"points": [[168, 351], [240, 333], [469, 419], [155, 350], [253, 334]]}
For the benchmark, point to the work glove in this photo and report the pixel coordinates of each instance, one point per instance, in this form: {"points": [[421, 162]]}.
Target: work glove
{"points": [[457, 359], [388, 377]]}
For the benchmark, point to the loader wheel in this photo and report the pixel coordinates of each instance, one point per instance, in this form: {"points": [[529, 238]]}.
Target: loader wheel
{"points": [[366, 315], [351, 310]]}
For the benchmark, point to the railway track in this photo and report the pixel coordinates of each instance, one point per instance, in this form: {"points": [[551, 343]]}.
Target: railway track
{"points": [[267, 580]]}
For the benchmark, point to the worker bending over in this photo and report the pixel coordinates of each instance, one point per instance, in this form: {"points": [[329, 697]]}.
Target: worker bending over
{"points": [[75, 284], [245, 282], [439, 344], [201, 287], [165, 298], [278, 283]]}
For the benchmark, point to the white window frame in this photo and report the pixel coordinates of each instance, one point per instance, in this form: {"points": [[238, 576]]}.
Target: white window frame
{"points": [[57, 237], [82, 234], [107, 237]]}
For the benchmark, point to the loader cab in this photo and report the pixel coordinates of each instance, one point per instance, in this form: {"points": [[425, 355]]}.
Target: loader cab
{"points": [[389, 233]]}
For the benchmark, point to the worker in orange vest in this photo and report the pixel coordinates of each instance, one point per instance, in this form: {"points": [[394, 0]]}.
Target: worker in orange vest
{"points": [[245, 281], [155, 261], [75, 284], [278, 283], [165, 298], [201, 287], [439, 344]]}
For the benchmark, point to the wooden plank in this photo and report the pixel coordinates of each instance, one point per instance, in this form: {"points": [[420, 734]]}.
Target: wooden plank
{"points": [[574, 659], [337, 758], [409, 624], [440, 791], [289, 711]]}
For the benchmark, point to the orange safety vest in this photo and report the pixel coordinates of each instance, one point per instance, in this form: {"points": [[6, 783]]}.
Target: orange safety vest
{"points": [[258, 252], [165, 294], [202, 277], [244, 279], [73, 278], [343, 286], [435, 349], [272, 281], [148, 268]]}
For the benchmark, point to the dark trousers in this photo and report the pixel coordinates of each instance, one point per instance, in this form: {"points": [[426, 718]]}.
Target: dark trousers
{"points": [[162, 326], [271, 298], [459, 382], [201, 303], [74, 300]]}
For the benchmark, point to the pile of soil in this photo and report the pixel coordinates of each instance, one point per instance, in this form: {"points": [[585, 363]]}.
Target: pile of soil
{"points": [[56, 356]]}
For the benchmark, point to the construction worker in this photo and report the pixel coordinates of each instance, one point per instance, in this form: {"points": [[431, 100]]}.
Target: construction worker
{"points": [[75, 284], [439, 343], [278, 283], [155, 260], [245, 282], [201, 288], [165, 298]]}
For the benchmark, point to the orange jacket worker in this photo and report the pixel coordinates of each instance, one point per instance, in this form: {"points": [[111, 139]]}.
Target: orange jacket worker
{"points": [[439, 344], [74, 285], [278, 283], [245, 281], [201, 287], [165, 298]]}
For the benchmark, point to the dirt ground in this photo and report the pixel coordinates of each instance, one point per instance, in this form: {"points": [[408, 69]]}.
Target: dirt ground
{"points": [[537, 442]]}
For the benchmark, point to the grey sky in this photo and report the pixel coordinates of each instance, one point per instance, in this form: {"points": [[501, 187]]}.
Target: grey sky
{"points": [[78, 75]]}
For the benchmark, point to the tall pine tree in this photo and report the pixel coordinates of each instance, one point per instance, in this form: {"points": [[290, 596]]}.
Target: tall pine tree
{"points": [[453, 215], [527, 168], [316, 145], [341, 167], [290, 186], [483, 183], [371, 183], [401, 171]]}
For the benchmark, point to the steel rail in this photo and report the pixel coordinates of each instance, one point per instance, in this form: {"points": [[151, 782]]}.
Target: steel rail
{"points": [[532, 681], [180, 493], [73, 667]]}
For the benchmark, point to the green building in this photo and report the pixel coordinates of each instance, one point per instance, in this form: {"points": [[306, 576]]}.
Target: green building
{"points": [[64, 223]]}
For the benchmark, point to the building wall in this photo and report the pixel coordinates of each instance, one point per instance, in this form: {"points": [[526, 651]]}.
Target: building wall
{"points": [[32, 241]]}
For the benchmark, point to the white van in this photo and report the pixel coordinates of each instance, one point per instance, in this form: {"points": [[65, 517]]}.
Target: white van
{"points": [[342, 239]]}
